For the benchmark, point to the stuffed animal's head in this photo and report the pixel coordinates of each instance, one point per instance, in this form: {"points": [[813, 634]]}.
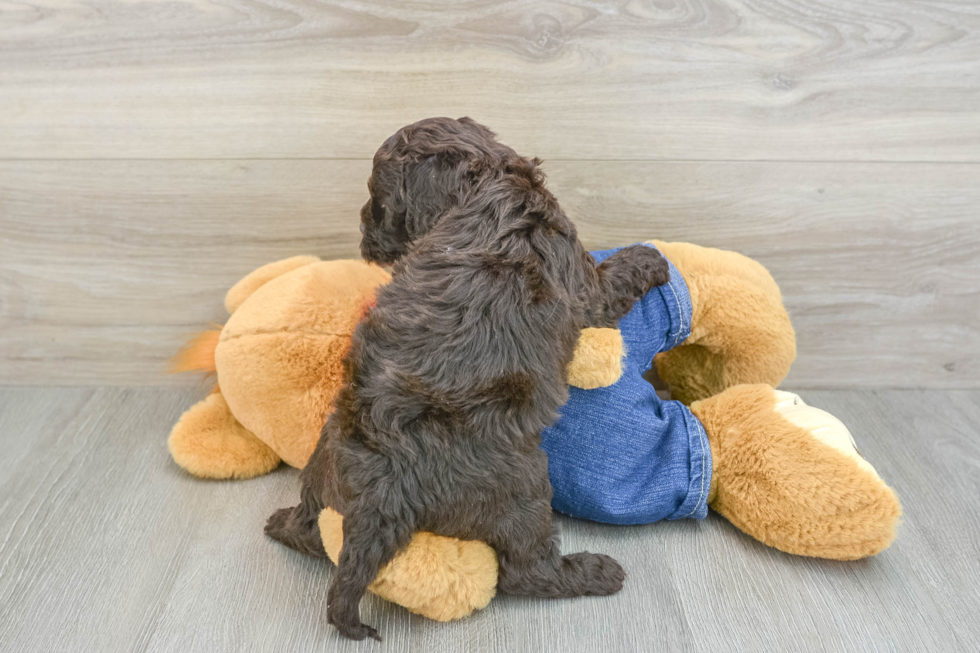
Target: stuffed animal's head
{"points": [[279, 359]]}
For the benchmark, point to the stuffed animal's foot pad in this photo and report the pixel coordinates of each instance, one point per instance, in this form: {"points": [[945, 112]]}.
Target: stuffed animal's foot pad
{"points": [[598, 574]]}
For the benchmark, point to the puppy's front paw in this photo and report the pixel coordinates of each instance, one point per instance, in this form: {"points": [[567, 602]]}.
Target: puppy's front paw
{"points": [[652, 267]]}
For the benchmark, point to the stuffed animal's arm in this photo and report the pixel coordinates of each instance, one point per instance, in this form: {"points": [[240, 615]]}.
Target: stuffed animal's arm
{"points": [[598, 360], [740, 330]]}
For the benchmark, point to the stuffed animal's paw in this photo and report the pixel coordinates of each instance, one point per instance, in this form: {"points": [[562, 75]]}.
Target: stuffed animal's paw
{"points": [[598, 360]]}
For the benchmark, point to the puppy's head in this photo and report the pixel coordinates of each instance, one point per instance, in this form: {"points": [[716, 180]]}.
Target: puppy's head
{"points": [[419, 173]]}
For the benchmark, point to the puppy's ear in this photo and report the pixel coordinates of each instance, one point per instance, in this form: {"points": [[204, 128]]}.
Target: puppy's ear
{"points": [[390, 209], [431, 186], [385, 237]]}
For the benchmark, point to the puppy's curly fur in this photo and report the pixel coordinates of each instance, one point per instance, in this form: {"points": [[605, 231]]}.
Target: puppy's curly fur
{"points": [[459, 366]]}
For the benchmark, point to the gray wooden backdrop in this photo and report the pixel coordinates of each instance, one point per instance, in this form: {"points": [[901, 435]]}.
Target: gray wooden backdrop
{"points": [[153, 153]]}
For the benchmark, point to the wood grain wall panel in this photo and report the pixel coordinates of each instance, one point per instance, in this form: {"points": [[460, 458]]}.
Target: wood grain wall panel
{"points": [[108, 265], [639, 79]]}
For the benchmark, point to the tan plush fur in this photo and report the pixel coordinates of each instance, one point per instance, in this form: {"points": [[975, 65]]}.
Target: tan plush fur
{"points": [[741, 332], [259, 277], [442, 578], [209, 442], [279, 359], [598, 360], [780, 484]]}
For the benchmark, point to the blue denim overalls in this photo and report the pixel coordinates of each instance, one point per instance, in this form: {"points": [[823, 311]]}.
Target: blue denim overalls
{"points": [[621, 454]]}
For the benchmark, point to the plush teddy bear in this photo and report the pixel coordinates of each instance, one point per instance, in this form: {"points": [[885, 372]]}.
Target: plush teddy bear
{"points": [[786, 474]]}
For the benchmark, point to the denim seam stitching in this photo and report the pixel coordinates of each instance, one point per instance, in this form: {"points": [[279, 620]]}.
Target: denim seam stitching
{"points": [[702, 437], [680, 311]]}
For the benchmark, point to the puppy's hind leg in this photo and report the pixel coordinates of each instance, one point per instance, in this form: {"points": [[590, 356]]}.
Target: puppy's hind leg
{"points": [[537, 567], [371, 540], [298, 527]]}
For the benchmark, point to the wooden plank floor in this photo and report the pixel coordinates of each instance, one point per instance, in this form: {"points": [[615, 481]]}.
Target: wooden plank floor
{"points": [[105, 545]]}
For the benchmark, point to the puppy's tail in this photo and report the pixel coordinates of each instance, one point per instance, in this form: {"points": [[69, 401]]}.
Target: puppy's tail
{"points": [[197, 354]]}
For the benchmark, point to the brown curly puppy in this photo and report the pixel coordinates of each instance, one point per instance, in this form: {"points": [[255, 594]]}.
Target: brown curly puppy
{"points": [[460, 365]]}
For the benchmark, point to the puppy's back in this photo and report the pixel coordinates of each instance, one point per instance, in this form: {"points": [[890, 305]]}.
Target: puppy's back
{"points": [[479, 322]]}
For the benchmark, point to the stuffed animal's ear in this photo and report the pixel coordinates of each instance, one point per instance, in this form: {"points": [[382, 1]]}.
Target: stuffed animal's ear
{"points": [[258, 278], [598, 360]]}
